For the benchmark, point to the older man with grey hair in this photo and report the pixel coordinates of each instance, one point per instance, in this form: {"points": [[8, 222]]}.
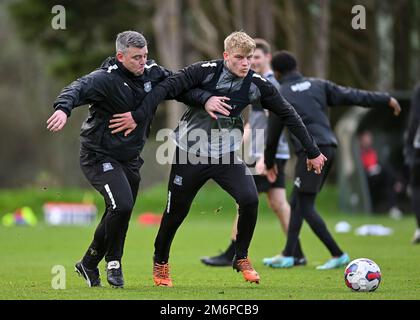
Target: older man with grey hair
{"points": [[111, 160]]}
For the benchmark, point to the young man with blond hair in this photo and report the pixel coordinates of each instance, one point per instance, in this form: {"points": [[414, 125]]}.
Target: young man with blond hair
{"points": [[276, 191], [206, 145]]}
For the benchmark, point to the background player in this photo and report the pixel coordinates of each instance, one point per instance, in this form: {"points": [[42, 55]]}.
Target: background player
{"points": [[311, 98]]}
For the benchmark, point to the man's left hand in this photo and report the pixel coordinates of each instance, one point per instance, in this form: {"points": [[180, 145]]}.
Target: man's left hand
{"points": [[122, 122], [393, 104]]}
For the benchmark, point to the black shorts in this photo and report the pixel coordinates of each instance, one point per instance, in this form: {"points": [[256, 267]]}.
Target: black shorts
{"points": [[308, 181], [262, 183], [111, 177]]}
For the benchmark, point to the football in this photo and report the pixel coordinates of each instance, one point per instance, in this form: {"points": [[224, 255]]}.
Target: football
{"points": [[362, 275]]}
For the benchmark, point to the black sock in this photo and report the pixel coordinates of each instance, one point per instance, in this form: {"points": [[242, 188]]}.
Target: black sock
{"points": [[91, 258], [159, 260], [230, 251], [305, 209], [317, 224], [298, 253]]}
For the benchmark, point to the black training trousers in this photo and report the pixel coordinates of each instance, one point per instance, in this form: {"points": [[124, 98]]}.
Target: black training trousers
{"points": [[307, 186], [118, 182], [186, 179]]}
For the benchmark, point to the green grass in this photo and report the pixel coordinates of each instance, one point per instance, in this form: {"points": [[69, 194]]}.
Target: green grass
{"points": [[27, 255]]}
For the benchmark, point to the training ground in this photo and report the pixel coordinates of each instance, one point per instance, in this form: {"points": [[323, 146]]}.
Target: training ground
{"points": [[28, 254]]}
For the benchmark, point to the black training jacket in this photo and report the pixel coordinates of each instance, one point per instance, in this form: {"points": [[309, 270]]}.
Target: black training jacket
{"points": [[311, 98], [412, 141], [112, 89], [200, 74]]}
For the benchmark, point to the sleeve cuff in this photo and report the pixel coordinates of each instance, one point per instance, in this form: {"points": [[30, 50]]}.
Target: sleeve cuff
{"points": [[314, 153], [138, 116], [387, 100], [268, 160], [206, 96], [65, 110]]}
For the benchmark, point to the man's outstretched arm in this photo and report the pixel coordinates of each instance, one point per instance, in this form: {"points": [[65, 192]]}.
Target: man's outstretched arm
{"points": [[195, 97], [170, 88], [346, 96], [84, 90]]}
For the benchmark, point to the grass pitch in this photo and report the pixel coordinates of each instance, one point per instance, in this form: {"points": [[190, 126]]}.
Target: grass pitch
{"points": [[29, 254]]}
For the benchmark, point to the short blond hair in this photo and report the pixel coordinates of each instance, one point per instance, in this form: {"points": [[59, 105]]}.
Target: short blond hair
{"points": [[240, 40]]}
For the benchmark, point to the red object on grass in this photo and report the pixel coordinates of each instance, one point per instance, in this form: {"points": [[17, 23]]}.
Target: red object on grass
{"points": [[149, 219]]}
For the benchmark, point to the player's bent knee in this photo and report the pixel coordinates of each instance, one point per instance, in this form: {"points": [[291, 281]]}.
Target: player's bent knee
{"points": [[178, 207], [123, 208], [250, 201]]}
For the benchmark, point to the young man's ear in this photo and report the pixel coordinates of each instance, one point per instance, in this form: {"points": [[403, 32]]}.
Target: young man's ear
{"points": [[225, 55]]}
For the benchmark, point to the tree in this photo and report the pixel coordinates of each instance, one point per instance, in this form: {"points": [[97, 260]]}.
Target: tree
{"points": [[402, 11], [321, 25], [89, 37], [169, 44]]}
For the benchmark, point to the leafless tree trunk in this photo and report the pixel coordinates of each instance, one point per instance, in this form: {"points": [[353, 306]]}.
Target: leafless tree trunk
{"points": [[237, 14], [266, 20], [292, 17], [250, 10], [223, 16], [385, 44], [417, 50], [402, 33], [203, 35], [321, 27], [169, 43]]}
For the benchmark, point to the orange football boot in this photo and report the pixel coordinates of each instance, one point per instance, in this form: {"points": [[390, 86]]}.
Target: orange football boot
{"points": [[245, 266], [161, 275]]}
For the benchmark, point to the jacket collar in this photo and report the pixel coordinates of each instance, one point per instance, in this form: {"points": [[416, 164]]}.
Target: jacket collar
{"points": [[290, 77], [111, 63], [126, 72], [268, 74]]}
